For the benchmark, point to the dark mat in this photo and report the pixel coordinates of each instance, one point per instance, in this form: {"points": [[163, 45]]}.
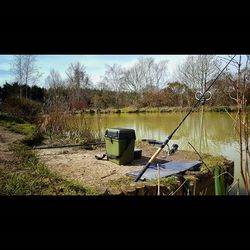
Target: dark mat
{"points": [[167, 169]]}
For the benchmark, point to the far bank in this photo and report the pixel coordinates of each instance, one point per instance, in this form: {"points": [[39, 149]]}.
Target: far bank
{"points": [[164, 109]]}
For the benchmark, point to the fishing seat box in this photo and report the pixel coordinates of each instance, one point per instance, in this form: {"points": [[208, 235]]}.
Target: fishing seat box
{"points": [[120, 144]]}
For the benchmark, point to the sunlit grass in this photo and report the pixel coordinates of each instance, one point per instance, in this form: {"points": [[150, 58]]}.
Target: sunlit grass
{"points": [[16, 124], [32, 177]]}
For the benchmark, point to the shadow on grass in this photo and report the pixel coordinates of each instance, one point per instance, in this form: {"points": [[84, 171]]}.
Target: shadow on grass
{"points": [[10, 119]]}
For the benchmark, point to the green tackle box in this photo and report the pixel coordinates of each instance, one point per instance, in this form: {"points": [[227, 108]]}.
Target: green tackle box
{"points": [[120, 144]]}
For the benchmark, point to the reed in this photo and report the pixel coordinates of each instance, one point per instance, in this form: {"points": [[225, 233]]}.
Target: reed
{"points": [[70, 128]]}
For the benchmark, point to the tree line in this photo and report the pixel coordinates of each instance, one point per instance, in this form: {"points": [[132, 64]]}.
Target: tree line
{"points": [[144, 84]]}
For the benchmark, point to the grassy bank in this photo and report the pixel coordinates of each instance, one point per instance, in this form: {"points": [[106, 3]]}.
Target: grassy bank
{"points": [[158, 109], [31, 177], [16, 124], [26, 174]]}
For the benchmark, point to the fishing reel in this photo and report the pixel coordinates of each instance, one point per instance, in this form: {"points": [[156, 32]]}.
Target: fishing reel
{"points": [[169, 151], [172, 150]]}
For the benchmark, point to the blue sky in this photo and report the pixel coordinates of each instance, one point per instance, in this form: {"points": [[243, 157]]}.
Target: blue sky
{"points": [[95, 64]]}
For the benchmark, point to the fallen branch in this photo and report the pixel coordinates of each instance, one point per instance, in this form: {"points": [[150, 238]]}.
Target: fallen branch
{"points": [[113, 172]]}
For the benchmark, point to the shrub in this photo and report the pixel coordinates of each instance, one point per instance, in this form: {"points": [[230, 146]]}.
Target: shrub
{"points": [[221, 109], [22, 108]]}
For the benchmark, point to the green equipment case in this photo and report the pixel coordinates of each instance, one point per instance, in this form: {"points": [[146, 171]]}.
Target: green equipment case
{"points": [[120, 143]]}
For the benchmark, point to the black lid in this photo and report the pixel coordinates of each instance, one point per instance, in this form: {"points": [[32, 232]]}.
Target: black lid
{"points": [[120, 133]]}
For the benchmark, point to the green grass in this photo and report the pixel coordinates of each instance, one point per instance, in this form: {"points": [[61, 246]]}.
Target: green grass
{"points": [[213, 161], [16, 124], [123, 181], [222, 109], [31, 184], [5, 118], [171, 182], [32, 177], [28, 175], [26, 129]]}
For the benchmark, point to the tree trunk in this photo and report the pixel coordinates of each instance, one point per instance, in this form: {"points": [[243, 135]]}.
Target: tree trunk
{"points": [[20, 91]]}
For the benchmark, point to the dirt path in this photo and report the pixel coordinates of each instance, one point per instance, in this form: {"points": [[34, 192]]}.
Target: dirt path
{"points": [[81, 164], [7, 137]]}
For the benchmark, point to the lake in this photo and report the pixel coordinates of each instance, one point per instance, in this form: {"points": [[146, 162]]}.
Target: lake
{"points": [[218, 134]]}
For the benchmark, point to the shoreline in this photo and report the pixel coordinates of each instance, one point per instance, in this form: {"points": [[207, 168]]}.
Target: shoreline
{"points": [[63, 172], [156, 110]]}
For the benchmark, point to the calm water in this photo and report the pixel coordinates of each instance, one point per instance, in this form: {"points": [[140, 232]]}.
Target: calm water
{"points": [[218, 136]]}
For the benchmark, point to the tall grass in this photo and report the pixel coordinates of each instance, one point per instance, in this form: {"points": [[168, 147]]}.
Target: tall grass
{"points": [[70, 128]]}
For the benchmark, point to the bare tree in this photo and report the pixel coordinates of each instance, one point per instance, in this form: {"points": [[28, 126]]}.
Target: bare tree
{"points": [[56, 100], [54, 80], [114, 77], [17, 70], [155, 74], [102, 85], [133, 79], [77, 75], [146, 74], [25, 70], [197, 71], [242, 80], [77, 79]]}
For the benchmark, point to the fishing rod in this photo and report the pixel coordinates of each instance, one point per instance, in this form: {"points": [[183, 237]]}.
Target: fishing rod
{"points": [[70, 146], [174, 131]]}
